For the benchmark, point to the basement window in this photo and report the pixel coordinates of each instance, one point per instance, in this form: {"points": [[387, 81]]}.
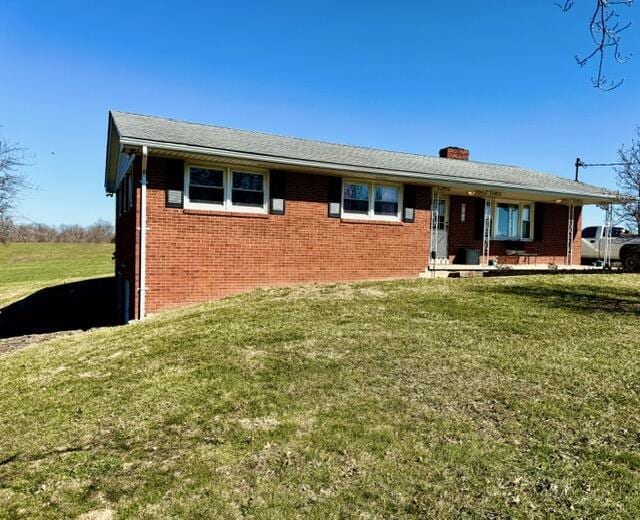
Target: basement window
{"points": [[225, 188], [369, 200], [513, 221]]}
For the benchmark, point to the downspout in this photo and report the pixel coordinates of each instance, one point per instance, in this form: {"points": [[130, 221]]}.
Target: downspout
{"points": [[143, 236]]}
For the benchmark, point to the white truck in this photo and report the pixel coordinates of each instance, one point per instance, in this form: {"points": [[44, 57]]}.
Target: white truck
{"points": [[625, 247]]}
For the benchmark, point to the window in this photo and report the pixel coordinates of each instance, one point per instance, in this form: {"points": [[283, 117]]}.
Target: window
{"points": [[206, 185], [386, 201], [122, 204], [124, 195], [356, 198], [225, 188], [370, 200], [130, 189], [248, 189], [590, 232], [617, 232], [513, 221]]}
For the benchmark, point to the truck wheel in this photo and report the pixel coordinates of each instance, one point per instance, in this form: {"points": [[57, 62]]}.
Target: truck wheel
{"points": [[631, 262]]}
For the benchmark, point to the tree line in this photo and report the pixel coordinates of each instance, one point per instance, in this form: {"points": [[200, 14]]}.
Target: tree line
{"points": [[99, 232]]}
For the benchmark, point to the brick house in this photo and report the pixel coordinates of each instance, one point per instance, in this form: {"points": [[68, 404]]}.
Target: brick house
{"points": [[203, 212]]}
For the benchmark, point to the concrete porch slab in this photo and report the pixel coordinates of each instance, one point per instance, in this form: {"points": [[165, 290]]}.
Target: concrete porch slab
{"points": [[463, 270]]}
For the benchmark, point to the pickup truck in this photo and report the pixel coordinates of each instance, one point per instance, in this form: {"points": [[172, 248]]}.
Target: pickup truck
{"points": [[625, 247]]}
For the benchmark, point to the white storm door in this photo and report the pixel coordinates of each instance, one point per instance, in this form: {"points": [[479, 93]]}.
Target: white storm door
{"points": [[442, 228]]}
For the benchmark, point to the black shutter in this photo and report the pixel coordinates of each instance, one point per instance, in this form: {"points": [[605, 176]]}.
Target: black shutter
{"points": [[277, 192], [538, 224], [478, 221], [409, 203], [335, 197], [175, 184]]}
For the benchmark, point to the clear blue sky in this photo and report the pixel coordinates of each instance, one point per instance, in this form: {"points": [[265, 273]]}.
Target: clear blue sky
{"points": [[497, 77]]}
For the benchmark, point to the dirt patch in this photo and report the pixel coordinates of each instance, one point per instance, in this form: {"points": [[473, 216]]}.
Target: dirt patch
{"points": [[18, 342], [98, 514]]}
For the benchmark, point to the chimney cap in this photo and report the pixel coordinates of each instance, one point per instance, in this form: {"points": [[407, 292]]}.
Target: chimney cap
{"points": [[454, 152]]}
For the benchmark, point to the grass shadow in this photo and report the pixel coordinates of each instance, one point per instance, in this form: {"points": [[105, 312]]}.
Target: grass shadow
{"points": [[582, 298], [70, 306]]}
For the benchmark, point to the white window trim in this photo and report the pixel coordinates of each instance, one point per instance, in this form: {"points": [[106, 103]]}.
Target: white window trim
{"points": [[227, 185], [520, 204], [370, 215]]}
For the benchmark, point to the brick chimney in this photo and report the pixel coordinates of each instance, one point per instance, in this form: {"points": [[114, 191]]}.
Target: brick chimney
{"points": [[453, 152]]}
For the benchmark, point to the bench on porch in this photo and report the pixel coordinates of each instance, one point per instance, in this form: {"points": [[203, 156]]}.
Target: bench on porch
{"points": [[514, 250]]}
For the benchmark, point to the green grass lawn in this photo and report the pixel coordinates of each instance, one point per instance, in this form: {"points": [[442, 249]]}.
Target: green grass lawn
{"points": [[27, 267], [487, 398]]}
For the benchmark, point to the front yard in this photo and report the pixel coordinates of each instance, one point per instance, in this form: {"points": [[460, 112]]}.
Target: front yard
{"points": [[487, 398]]}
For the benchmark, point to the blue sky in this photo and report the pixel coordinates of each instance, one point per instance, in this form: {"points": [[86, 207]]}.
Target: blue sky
{"points": [[497, 77]]}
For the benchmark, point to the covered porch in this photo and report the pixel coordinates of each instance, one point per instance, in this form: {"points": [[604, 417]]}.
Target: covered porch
{"points": [[476, 231]]}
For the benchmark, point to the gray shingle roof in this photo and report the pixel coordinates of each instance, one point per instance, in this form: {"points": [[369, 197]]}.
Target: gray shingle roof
{"points": [[168, 131]]}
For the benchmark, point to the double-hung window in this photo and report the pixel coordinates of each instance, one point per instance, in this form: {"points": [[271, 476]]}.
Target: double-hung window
{"points": [[225, 188], [370, 200], [386, 200], [356, 198], [247, 190], [513, 221], [206, 186]]}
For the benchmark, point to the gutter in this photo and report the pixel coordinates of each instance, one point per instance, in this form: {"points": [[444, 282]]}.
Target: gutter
{"points": [[142, 290], [446, 180]]}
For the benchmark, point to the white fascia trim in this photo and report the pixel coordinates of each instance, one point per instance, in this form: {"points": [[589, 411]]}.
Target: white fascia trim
{"points": [[113, 139], [442, 179]]}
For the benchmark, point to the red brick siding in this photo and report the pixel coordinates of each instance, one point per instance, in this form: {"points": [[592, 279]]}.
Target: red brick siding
{"points": [[193, 256], [551, 249]]}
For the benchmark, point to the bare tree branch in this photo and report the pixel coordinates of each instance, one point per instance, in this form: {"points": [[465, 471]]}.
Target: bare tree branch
{"points": [[606, 33], [628, 180], [12, 182]]}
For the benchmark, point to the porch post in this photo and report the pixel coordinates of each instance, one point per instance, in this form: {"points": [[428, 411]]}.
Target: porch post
{"points": [[486, 229], [608, 225], [570, 226], [433, 236]]}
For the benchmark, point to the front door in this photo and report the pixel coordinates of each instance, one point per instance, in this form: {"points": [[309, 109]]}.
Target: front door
{"points": [[441, 231]]}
